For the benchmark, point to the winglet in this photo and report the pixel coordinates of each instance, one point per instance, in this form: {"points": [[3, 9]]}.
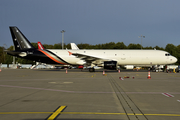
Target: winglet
{"points": [[74, 46], [40, 46]]}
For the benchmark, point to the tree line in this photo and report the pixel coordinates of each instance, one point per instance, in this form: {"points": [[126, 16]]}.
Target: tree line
{"points": [[172, 49]]}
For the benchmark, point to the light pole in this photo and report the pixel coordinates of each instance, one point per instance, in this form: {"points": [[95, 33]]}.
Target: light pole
{"points": [[63, 38], [141, 39]]}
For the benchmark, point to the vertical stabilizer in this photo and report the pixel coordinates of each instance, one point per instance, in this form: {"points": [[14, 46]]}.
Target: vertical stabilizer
{"points": [[74, 46], [20, 41]]}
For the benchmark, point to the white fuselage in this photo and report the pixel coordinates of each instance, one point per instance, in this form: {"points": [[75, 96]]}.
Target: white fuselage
{"points": [[123, 57]]}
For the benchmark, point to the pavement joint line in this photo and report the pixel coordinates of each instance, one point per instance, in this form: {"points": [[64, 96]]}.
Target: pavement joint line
{"points": [[56, 90], [56, 113], [1, 113], [59, 111]]}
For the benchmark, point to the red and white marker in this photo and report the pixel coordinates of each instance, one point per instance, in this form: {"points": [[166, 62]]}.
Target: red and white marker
{"points": [[167, 95], [121, 78]]}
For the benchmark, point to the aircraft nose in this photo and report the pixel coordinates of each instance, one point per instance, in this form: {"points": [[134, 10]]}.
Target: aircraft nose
{"points": [[174, 59]]}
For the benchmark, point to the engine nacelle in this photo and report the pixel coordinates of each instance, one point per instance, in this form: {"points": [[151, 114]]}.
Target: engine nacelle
{"points": [[111, 65], [129, 66]]}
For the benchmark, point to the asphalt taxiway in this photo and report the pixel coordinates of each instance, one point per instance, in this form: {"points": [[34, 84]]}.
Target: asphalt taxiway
{"points": [[80, 95]]}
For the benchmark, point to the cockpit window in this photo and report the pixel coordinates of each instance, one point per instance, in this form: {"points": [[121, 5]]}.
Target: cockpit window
{"points": [[167, 54]]}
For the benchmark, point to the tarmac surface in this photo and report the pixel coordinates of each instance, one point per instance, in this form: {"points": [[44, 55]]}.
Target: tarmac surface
{"points": [[80, 95]]}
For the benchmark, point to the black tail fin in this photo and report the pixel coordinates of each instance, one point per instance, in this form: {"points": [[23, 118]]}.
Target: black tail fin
{"points": [[20, 41]]}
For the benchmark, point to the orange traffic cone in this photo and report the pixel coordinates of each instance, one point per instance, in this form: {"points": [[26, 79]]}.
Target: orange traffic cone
{"points": [[149, 76], [103, 72], [66, 71], [119, 71]]}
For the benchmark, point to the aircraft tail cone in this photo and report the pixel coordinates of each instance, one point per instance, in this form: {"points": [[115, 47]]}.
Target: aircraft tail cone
{"points": [[149, 76]]}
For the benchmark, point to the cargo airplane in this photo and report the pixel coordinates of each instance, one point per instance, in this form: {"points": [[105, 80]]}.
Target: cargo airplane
{"points": [[108, 59]]}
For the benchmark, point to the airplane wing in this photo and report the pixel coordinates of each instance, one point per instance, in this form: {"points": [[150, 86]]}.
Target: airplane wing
{"points": [[89, 58]]}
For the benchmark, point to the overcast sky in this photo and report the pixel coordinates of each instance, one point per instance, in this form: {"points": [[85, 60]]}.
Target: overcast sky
{"points": [[92, 21]]}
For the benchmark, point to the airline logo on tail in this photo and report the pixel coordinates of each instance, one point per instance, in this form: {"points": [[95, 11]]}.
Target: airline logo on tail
{"points": [[40, 46]]}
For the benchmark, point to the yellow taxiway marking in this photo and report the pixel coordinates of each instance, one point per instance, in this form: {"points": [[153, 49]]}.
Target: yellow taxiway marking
{"points": [[56, 113], [137, 74], [163, 114], [59, 111], [119, 114], [93, 113]]}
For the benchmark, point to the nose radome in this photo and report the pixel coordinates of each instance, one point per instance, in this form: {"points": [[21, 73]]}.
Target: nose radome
{"points": [[174, 59]]}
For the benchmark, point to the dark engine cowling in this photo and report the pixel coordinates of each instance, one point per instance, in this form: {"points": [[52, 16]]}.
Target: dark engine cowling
{"points": [[111, 65]]}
